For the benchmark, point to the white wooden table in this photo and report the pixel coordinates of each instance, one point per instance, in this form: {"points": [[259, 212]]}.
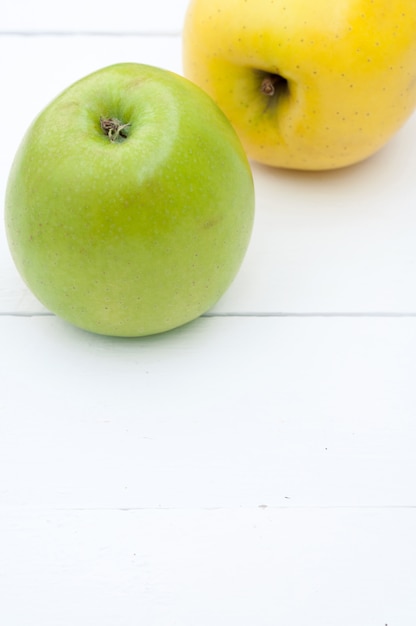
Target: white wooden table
{"points": [[254, 468]]}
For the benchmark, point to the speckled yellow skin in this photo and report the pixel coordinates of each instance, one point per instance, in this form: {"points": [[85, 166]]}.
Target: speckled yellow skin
{"points": [[350, 67]]}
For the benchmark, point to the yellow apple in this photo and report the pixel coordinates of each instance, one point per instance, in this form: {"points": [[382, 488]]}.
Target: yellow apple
{"points": [[307, 84]]}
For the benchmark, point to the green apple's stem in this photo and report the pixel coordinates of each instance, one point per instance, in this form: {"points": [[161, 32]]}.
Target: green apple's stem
{"points": [[270, 83], [113, 128]]}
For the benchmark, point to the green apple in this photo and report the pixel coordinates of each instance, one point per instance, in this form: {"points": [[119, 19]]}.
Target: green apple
{"points": [[130, 202], [307, 84]]}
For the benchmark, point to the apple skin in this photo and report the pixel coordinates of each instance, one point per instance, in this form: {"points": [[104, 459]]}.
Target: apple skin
{"points": [[349, 70], [137, 236]]}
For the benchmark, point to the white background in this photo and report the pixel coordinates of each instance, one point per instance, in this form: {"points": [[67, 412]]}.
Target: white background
{"points": [[256, 467]]}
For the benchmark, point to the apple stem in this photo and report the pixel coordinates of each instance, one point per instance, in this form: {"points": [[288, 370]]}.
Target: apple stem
{"points": [[269, 84], [113, 128]]}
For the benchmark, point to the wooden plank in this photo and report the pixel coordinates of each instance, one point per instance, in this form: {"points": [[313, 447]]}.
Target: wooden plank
{"points": [[332, 242], [222, 412], [318, 567]]}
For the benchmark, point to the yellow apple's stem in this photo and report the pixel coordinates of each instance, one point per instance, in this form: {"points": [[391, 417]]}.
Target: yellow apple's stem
{"points": [[113, 128], [269, 84]]}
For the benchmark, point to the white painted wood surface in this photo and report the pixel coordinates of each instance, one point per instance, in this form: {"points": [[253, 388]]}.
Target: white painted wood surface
{"points": [[256, 467]]}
